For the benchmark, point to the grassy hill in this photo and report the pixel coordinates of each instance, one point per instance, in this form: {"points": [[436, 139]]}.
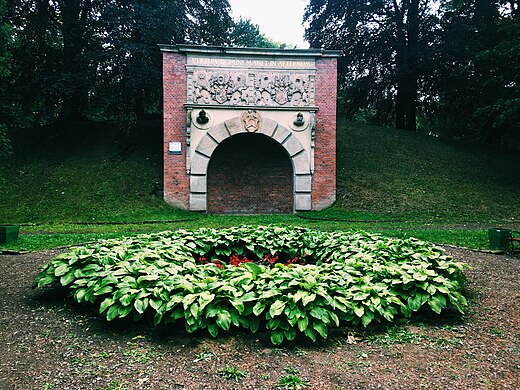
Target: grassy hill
{"points": [[393, 171], [85, 172], [67, 179]]}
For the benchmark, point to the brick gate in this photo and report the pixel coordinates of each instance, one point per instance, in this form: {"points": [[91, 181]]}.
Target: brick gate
{"points": [[249, 130]]}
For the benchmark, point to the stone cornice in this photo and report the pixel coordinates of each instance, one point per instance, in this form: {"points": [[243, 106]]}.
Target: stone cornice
{"points": [[251, 107], [251, 51]]}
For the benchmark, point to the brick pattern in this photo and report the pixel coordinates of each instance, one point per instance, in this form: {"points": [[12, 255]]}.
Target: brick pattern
{"points": [[176, 181], [250, 173], [270, 187], [324, 179]]}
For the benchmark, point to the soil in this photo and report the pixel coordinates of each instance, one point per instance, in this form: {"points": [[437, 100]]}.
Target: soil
{"points": [[48, 342]]}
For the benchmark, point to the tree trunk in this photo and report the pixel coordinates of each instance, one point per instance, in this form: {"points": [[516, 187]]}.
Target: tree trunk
{"points": [[139, 104], [411, 61], [74, 98], [401, 69], [400, 106], [406, 63]]}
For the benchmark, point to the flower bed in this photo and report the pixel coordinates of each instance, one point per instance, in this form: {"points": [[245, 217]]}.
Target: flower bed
{"points": [[289, 280]]}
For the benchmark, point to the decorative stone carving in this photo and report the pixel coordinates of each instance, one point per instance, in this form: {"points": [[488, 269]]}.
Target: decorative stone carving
{"points": [[251, 120], [281, 89], [188, 141], [299, 121], [271, 89], [220, 87], [188, 117], [201, 119], [313, 140], [313, 125]]}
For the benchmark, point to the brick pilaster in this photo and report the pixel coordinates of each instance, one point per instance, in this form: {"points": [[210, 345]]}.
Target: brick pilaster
{"points": [[324, 179], [176, 181]]}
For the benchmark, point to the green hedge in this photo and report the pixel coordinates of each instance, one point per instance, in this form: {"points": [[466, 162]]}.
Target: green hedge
{"points": [[355, 278]]}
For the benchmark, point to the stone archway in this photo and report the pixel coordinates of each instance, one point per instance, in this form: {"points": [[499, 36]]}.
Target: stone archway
{"points": [[298, 157], [252, 174]]}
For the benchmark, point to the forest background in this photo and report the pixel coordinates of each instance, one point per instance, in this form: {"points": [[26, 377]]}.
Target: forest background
{"points": [[447, 68]]}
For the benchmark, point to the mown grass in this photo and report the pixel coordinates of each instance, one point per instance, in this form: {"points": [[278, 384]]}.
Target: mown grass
{"points": [[468, 238], [71, 185], [29, 241]]}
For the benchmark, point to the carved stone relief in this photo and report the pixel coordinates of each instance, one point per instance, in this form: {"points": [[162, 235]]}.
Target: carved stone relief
{"points": [[272, 89], [251, 120], [258, 89], [201, 119], [220, 87]]}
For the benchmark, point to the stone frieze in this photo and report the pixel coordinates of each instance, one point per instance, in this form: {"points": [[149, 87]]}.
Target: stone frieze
{"points": [[264, 89]]}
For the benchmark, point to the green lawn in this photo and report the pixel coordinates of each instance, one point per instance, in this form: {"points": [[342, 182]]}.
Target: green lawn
{"points": [[71, 185]]}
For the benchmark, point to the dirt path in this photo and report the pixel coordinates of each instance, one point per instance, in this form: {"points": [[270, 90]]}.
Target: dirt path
{"points": [[48, 343]]}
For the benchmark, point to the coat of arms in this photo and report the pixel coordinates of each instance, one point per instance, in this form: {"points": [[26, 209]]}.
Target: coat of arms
{"points": [[251, 120], [281, 89]]}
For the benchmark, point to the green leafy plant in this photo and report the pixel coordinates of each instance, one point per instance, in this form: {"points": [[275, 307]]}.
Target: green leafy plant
{"points": [[116, 385], [232, 373], [395, 335], [350, 277], [291, 382], [203, 356], [138, 355], [292, 370]]}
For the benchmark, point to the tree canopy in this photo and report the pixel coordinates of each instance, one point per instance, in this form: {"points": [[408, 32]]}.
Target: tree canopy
{"points": [[478, 74], [77, 59], [69, 60], [449, 67]]}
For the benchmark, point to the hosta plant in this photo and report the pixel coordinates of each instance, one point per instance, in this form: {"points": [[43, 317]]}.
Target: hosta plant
{"points": [[289, 281]]}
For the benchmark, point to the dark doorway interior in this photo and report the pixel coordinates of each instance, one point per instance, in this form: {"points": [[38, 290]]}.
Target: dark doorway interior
{"points": [[250, 173]]}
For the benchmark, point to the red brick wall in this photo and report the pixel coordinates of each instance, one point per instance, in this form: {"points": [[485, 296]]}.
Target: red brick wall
{"points": [[324, 179], [176, 181], [250, 173]]}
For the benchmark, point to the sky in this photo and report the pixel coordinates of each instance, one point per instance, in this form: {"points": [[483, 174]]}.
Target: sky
{"points": [[280, 20]]}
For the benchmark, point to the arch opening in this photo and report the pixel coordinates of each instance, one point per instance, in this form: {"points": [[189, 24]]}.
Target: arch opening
{"points": [[250, 173]]}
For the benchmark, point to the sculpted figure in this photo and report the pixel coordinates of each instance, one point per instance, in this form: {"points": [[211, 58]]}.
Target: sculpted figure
{"points": [[299, 121], [202, 118]]}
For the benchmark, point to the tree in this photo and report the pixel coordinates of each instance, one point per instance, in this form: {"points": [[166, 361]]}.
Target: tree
{"points": [[245, 33], [212, 22], [77, 59], [132, 62], [478, 80], [6, 34], [76, 34], [387, 48], [129, 65], [6, 37], [50, 72]]}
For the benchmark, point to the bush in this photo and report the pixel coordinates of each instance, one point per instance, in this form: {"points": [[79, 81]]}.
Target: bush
{"points": [[349, 277]]}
